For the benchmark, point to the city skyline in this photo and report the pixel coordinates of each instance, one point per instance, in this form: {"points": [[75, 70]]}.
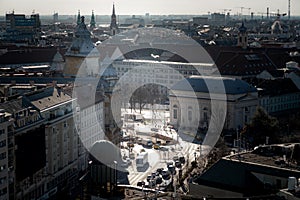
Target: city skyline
{"points": [[154, 7]]}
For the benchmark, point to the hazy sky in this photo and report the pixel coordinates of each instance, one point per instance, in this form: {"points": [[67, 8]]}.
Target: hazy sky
{"points": [[104, 7]]}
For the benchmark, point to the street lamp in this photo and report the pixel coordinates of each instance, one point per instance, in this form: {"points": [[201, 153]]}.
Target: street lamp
{"points": [[116, 179]]}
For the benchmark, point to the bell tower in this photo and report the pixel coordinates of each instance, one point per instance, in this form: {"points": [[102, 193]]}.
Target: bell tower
{"points": [[242, 37]]}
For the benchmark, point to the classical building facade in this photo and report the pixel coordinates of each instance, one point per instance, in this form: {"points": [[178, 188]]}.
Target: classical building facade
{"points": [[241, 101]]}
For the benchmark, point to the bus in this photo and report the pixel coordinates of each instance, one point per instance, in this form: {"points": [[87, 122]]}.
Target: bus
{"points": [[141, 159]]}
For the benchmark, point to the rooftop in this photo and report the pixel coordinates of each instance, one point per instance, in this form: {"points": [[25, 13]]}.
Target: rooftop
{"points": [[216, 85], [48, 97]]}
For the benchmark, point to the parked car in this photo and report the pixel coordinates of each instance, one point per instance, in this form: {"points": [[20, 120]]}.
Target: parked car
{"points": [[140, 183], [149, 177], [170, 162], [130, 144], [166, 175], [126, 163], [175, 158], [159, 170], [182, 159], [156, 146], [172, 169], [149, 143], [158, 180], [154, 129], [177, 164]]}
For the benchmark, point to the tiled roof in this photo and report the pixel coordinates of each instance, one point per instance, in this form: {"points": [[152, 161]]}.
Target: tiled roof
{"points": [[199, 84], [12, 105], [48, 97], [276, 87], [236, 61], [29, 55]]}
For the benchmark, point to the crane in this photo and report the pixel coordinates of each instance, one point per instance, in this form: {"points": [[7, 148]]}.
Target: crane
{"points": [[242, 8], [248, 10], [262, 14], [225, 10]]}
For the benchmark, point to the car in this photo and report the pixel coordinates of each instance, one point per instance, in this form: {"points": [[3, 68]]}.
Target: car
{"points": [[149, 177], [158, 180], [166, 175], [156, 146], [175, 158], [140, 141], [149, 143], [153, 174], [141, 183], [131, 155], [151, 183], [142, 150], [177, 164], [172, 169], [182, 159], [130, 144], [159, 170], [170, 162], [126, 162], [154, 129], [164, 149]]}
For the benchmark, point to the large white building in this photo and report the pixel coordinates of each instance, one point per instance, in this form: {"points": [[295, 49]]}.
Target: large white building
{"points": [[241, 100], [163, 73]]}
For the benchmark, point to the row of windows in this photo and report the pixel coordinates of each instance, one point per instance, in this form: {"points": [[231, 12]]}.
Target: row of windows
{"points": [[2, 143], [2, 167], [190, 114], [2, 155], [2, 180], [281, 107], [280, 99], [3, 192]]}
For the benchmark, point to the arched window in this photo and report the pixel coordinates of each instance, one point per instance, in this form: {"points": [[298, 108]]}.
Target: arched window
{"points": [[175, 114], [205, 116], [190, 114]]}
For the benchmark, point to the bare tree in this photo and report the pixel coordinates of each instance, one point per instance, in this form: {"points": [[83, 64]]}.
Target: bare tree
{"points": [[148, 94]]}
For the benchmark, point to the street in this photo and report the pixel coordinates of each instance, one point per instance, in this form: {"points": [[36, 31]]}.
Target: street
{"points": [[155, 121]]}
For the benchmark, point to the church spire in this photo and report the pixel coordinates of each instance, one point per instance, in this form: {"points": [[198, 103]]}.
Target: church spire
{"points": [[93, 23], [78, 18], [113, 22], [113, 11]]}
